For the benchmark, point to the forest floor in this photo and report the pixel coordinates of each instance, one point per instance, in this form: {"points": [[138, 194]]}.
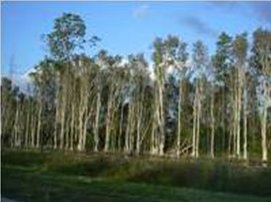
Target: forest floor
{"points": [[34, 176]]}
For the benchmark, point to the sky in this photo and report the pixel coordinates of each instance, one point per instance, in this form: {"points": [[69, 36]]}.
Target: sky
{"points": [[124, 27]]}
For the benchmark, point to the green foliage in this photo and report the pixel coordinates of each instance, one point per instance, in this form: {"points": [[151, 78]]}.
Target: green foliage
{"points": [[261, 49], [61, 110], [55, 187], [68, 35], [213, 175], [240, 47]]}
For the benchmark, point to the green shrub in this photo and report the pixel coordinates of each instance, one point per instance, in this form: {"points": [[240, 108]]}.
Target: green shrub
{"points": [[209, 174]]}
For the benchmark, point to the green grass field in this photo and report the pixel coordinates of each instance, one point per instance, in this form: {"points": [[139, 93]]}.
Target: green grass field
{"points": [[34, 176]]}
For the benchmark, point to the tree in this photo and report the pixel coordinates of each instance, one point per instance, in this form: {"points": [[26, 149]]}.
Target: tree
{"points": [[261, 61], [6, 109], [240, 47], [138, 81], [64, 41], [158, 140], [175, 55], [108, 103], [68, 36], [200, 63], [162, 60], [110, 66], [222, 63]]}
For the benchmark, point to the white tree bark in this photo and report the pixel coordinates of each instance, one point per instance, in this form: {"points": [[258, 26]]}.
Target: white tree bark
{"points": [[39, 124], [108, 120], [212, 153], [263, 127], [245, 155], [72, 126], [97, 120], [179, 124]]}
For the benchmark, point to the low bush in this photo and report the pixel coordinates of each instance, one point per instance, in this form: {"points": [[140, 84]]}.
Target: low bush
{"points": [[214, 175]]}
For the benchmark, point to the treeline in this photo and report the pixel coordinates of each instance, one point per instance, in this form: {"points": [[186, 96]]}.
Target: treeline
{"points": [[183, 104]]}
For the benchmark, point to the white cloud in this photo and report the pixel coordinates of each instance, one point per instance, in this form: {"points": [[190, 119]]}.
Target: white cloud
{"points": [[142, 11]]}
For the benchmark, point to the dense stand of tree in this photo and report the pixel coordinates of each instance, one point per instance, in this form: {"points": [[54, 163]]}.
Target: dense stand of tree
{"points": [[191, 105]]}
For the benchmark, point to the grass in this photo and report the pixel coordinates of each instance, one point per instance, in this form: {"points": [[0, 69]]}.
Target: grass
{"points": [[35, 176]]}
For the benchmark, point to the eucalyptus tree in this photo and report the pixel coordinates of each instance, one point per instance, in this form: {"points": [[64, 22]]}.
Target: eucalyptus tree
{"points": [[64, 41], [240, 47], [200, 63], [261, 53], [110, 66], [107, 88], [121, 96], [124, 97], [223, 66], [168, 53], [37, 80], [14, 129], [136, 124], [212, 139], [43, 85], [213, 86], [85, 75], [16, 124], [111, 104], [20, 116], [68, 36], [7, 107], [158, 137], [158, 130], [98, 85], [27, 106], [175, 57]]}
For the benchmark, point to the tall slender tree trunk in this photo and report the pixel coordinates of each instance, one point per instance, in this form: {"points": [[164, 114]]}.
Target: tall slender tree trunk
{"points": [[230, 140], [120, 126], [161, 120], [80, 124], [97, 120], [238, 151], [62, 129], [108, 121], [85, 132], [127, 132], [62, 119], [33, 130], [179, 129], [67, 124], [235, 122], [80, 131], [194, 123], [138, 127], [15, 127], [263, 127], [56, 118], [72, 126], [153, 149], [82, 111], [198, 124], [245, 123], [27, 128], [237, 106], [154, 139], [39, 124], [212, 126], [63, 107], [133, 128]]}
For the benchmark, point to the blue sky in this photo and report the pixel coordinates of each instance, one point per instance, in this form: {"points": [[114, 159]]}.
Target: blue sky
{"points": [[124, 27]]}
